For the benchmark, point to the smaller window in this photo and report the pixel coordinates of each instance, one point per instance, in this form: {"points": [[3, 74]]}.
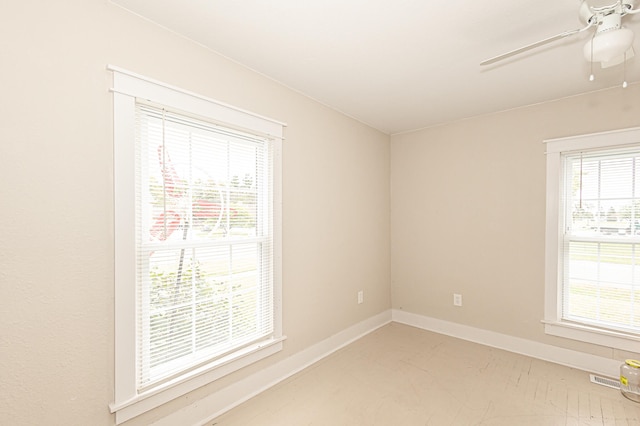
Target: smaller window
{"points": [[593, 238]]}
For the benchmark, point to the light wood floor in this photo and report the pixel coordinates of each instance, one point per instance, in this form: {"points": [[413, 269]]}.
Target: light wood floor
{"points": [[400, 375]]}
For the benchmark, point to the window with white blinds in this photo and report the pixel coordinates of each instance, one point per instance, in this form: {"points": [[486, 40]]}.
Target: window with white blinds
{"points": [[198, 241], [601, 244], [204, 252], [592, 290]]}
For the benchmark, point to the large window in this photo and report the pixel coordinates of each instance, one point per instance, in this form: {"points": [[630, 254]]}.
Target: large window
{"points": [[593, 238], [197, 241]]}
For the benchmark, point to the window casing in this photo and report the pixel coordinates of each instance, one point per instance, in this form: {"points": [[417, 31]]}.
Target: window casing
{"points": [[592, 284], [197, 241]]}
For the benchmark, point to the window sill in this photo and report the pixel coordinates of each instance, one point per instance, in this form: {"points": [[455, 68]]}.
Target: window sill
{"points": [[148, 400], [597, 336]]}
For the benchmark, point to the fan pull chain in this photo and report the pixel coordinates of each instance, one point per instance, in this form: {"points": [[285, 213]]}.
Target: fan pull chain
{"points": [[580, 181], [624, 72], [624, 63], [591, 76]]}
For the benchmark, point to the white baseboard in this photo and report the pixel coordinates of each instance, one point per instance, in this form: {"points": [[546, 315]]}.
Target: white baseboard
{"points": [[212, 406], [579, 360]]}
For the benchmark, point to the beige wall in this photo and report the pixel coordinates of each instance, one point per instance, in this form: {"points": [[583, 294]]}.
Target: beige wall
{"points": [[56, 227], [467, 198], [468, 212]]}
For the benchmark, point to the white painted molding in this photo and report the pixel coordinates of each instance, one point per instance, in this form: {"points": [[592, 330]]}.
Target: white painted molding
{"points": [[214, 405], [570, 358]]}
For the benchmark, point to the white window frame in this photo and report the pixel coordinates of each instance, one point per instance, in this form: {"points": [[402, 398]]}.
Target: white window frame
{"points": [[127, 87], [553, 322]]}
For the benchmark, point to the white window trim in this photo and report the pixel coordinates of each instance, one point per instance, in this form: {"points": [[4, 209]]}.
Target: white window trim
{"points": [[127, 87], [553, 323]]}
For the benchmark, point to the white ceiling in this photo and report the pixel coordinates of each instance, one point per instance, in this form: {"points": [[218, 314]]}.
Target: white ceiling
{"points": [[400, 65]]}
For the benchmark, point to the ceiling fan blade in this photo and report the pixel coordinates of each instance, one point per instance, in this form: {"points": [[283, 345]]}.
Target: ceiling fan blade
{"points": [[536, 44]]}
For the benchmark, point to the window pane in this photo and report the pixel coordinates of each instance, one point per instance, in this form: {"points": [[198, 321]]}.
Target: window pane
{"points": [[602, 285], [600, 197], [601, 277], [616, 178], [204, 279]]}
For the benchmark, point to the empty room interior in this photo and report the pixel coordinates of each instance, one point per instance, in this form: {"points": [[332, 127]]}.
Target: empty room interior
{"points": [[345, 212]]}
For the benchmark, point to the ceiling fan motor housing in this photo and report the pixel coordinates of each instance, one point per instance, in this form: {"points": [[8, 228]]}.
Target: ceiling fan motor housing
{"points": [[592, 11], [611, 43]]}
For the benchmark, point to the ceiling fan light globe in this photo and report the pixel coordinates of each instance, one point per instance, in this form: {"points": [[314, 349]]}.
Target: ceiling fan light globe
{"points": [[608, 45], [618, 59]]}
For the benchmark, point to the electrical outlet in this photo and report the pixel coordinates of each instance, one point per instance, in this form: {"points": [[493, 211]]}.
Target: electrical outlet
{"points": [[360, 297], [457, 299]]}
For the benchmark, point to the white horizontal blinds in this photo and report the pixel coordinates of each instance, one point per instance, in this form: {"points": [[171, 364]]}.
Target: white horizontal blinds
{"points": [[602, 239], [204, 250]]}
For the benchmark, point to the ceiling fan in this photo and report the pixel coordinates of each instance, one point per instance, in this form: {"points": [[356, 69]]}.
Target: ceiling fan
{"points": [[610, 44]]}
